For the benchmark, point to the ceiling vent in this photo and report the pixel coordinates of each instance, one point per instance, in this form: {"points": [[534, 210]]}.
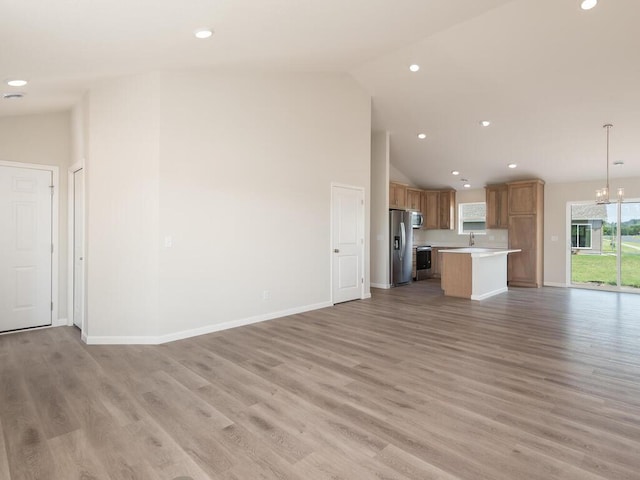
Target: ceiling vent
{"points": [[12, 95]]}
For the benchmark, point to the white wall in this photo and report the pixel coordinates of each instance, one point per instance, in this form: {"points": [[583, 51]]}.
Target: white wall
{"points": [[236, 171], [555, 220], [122, 209], [246, 167], [43, 139], [396, 175], [380, 209]]}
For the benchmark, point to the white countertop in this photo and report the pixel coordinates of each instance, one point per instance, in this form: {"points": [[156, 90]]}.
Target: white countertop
{"points": [[481, 251]]}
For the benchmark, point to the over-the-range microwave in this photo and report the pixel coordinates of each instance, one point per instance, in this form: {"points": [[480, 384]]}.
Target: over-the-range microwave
{"points": [[417, 219]]}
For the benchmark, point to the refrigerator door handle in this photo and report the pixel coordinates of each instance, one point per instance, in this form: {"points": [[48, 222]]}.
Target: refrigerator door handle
{"points": [[404, 239]]}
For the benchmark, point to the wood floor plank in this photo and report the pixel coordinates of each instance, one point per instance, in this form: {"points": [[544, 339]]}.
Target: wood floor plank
{"points": [[4, 461], [28, 454], [532, 384], [75, 459]]}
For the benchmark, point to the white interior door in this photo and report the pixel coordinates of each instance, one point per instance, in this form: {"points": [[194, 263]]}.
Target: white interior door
{"points": [[347, 218], [78, 248], [25, 248]]}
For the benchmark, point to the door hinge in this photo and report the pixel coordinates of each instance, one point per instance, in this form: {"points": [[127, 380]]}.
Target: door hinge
{"points": [[52, 306], [362, 280], [52, 248], [51, 187]]}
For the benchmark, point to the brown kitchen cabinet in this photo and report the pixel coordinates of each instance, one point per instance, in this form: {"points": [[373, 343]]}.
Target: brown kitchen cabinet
{"points": [[526, 233], [446, 209], [438, 208], [397, 195], [497, 199], [414, 199], [430, 209], [525, 197]]}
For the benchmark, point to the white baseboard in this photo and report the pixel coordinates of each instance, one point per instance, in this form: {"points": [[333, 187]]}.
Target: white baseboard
{"points": [[489, 294], [366, 295], [61, 322], [172, 337], [555, 284], [385, 286]]}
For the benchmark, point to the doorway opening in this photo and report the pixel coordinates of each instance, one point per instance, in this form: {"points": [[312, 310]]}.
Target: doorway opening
{"points": [[605, 245], [76, 246]]}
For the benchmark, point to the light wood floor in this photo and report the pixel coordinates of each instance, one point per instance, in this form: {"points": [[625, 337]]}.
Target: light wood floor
{"points": [[531, 384]]}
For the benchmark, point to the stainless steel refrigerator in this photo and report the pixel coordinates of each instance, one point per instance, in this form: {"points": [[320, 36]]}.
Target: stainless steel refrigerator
{"points": [[401, 233]]}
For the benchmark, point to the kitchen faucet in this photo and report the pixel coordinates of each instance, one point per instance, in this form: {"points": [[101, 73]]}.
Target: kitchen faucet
{"points": [[472, 240]]}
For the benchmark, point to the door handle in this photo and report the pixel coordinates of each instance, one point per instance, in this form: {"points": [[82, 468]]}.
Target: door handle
{"points": [[336, 250]]}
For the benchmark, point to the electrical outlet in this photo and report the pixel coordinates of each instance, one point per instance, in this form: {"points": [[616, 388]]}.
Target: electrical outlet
{"points": [[266, 295]]}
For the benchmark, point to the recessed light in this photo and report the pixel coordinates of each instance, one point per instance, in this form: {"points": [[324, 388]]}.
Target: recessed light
{"points": [[512, 165], [414, 68], [485, 123], [422, 136], [455, 172], [12, 95], [203, 33], [16, 83], [467, 185], [588, 4]]}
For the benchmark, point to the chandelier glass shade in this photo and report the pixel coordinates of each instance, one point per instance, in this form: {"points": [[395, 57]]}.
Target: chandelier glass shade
{"points": [[602, 194]]}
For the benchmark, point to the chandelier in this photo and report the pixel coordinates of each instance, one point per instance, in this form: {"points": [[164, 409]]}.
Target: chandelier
{"points": [[602, 194]]}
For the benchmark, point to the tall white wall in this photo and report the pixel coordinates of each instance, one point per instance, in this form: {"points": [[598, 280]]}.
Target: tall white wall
{"points": [[380, 209], [204, 197], [122, 185], [43, 139], [556, 197], [246, 166]]}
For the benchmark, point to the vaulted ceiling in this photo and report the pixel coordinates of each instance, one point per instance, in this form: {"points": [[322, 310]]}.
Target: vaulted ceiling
{"points": [[546, 74]]}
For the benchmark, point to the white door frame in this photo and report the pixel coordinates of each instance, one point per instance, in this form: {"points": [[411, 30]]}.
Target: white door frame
{"points": [[362, 249], [55, 178], [70, 235]]}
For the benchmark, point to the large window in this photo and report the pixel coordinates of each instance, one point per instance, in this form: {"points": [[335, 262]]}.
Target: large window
{"points": [[472, 217], [581, 235]]}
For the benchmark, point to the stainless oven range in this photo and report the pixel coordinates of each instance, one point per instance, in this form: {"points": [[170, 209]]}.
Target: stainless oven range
{"points": [[423, 262]]}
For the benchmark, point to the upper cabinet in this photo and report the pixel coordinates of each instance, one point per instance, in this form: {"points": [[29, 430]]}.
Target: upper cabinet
{"points": [[431, 209], [525, 197], [497, 199], [437, 206], [414, 199], [447, 210], [397, 195]]}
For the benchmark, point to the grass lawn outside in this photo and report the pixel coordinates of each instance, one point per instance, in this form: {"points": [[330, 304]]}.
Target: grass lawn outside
{"points": [[601, 269]]}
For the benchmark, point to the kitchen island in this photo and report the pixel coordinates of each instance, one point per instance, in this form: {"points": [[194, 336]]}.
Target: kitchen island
{"points": [[475, 273]]}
